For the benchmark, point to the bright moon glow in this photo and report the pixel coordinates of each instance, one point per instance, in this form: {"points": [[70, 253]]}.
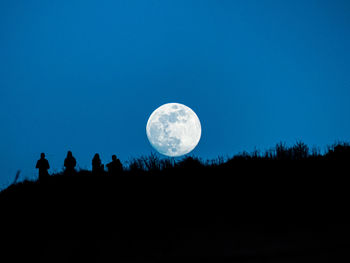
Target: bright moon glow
{"points": [[173, 129]]}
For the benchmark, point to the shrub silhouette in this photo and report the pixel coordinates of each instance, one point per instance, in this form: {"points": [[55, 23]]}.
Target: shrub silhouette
{"points": [[300, 151], [190, 163], [283, 152]]}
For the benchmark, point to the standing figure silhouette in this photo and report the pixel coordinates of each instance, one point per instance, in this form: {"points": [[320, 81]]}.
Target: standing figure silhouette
{"points": [[115, 167], [43, 165], [97, 166], [69, 163]]}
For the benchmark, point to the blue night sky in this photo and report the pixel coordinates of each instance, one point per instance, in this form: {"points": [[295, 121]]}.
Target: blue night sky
{"points": [[85, 76]]}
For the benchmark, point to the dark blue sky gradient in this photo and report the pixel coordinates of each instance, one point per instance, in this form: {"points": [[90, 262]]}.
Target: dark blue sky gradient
{"points": [[85, 75]]}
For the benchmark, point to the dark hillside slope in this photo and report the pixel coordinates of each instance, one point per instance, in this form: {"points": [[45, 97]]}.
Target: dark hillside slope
{"points": [[240, 211]]}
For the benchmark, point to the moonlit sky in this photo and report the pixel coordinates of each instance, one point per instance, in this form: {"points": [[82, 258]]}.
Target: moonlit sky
{"points": [[85, 76]]}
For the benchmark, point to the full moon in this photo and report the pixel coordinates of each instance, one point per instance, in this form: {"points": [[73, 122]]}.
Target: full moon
{"points": [[173, 129]]}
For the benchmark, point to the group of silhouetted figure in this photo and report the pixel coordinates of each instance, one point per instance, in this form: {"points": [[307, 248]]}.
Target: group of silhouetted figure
{"points": [[115, 167]]}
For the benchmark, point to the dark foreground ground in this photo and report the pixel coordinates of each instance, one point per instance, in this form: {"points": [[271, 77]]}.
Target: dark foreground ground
{"points": [[242, 212]]}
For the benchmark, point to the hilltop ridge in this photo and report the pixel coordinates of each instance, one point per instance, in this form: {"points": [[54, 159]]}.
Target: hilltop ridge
{"points": [[246, 209]]}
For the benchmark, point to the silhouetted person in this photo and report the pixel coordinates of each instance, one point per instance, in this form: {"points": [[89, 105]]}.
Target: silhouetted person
{"points": [[43, 165], [69, 163], [97, 166], [115, 167]]}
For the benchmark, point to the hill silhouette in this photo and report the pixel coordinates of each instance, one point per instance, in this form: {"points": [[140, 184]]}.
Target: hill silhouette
{"points": [[286, 205]]}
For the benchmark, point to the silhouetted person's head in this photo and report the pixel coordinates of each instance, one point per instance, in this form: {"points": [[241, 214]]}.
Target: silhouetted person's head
{"points": [[114, 157], [97, 156], [42, 155], [69, 154]]}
